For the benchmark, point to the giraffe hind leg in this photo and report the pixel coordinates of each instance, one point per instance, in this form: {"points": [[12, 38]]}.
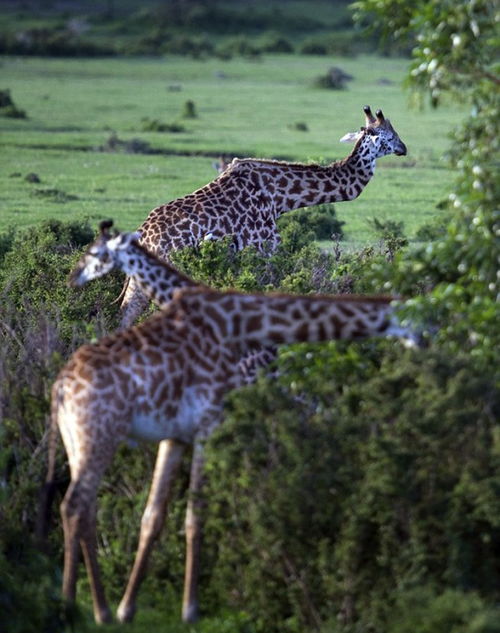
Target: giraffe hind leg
{"points": [[78, 512]]}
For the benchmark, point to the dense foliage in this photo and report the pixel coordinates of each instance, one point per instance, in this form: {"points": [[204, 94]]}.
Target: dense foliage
{"points": [[195, 28], [360, 491], [377, 463], [455, 56]]}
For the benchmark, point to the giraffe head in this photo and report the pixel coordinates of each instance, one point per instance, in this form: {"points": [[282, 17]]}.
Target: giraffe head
{"points": [[378, 131], [101, 256]]}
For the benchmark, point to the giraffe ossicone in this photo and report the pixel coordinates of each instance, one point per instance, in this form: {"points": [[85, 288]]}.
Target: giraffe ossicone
{"points": [[250, 194]]}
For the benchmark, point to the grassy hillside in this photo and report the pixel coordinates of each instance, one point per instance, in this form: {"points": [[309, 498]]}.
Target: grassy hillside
{"points": [[75, 108]]}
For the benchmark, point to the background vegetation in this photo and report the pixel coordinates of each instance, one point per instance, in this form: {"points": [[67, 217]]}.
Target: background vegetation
{"points": [[359, 492]]}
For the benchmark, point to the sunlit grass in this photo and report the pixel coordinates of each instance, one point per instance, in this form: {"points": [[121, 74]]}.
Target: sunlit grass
{"points": [[244, 109]]}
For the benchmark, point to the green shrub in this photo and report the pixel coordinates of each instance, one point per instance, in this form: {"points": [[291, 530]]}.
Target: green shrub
{"points": [[238, 46], [189, 110], [299, 126], [296, 266], [379, 467], [50, 41], [29, 584], [275, 43], [431, 231], [33, 278], [338, 44], [154, 125], [424, 610], [8, 108], [334, 79], [320, 219], [185, 45]]}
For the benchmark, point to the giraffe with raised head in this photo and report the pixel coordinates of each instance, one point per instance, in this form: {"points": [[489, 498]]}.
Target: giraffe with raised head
{"points": [[248, 197], [157, 280], [166, 379]]}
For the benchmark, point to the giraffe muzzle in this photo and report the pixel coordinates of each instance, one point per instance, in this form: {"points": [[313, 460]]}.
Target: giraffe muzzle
{"points": [[74, 280]]}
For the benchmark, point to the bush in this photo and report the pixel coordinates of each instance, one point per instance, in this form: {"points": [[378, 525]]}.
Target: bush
{"points": [[378, 464], [337, 44], [334, 79], [29, 583], [185, 45], [424, 609], [238, 46], [189, 110], [320, 219], [154, 125], [275, 43], [53, 41], [33, 279], [357, 492], [8, 108]]}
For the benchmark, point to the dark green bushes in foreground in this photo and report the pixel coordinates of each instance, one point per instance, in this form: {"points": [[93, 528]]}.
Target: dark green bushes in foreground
{"points": [[366, 478], [358, 492]]}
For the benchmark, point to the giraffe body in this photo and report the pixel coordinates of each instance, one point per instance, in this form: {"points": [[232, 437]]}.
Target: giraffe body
{"points": [[248, 197], [166, 380]]}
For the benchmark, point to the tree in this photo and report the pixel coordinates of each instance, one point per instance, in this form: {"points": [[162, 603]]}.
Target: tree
{"points": [[454, 44]]}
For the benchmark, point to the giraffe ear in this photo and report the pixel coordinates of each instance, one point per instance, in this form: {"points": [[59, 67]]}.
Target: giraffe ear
{"points": [[104, 227], [350, 137]]}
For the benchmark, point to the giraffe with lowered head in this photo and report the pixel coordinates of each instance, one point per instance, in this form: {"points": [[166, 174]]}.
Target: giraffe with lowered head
{"points": [[166, 379], [156, 279], [248, 197]]}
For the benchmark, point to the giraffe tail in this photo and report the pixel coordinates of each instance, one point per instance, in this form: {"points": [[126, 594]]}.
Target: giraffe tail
{"points": [[49, 487]]}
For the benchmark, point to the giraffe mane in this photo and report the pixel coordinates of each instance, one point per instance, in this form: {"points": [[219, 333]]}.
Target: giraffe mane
{"points": [[354, 298], [163, 263], [242, 163]]}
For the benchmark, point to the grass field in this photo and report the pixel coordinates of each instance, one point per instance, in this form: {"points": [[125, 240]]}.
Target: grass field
{"points": [[244, 108]]}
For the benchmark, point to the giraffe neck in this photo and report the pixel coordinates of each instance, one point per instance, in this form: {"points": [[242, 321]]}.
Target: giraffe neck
{"points": [[295, 185], [157, 279], [273, 319]]}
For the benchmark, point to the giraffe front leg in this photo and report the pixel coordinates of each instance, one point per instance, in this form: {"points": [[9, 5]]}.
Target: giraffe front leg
{"points": [[167, 464], [134, 303], [190, 605]]}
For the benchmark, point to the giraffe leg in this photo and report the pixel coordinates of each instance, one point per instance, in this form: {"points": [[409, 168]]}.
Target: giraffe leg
{"points": [[78, 512], [71, 546], [193, 538], [167, 465], [102, 613], [133, 304]]}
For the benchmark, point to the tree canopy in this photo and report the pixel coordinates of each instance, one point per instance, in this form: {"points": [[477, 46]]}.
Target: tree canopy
{"points": [[453, 54]]}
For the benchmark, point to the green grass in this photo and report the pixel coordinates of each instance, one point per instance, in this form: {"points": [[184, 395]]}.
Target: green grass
{"points": [[157, 615], [244, 109]]}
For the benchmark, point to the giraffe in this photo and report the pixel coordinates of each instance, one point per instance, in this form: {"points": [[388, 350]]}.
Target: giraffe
{"points": [[165, 381], [156, 279], [247, 198]]}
